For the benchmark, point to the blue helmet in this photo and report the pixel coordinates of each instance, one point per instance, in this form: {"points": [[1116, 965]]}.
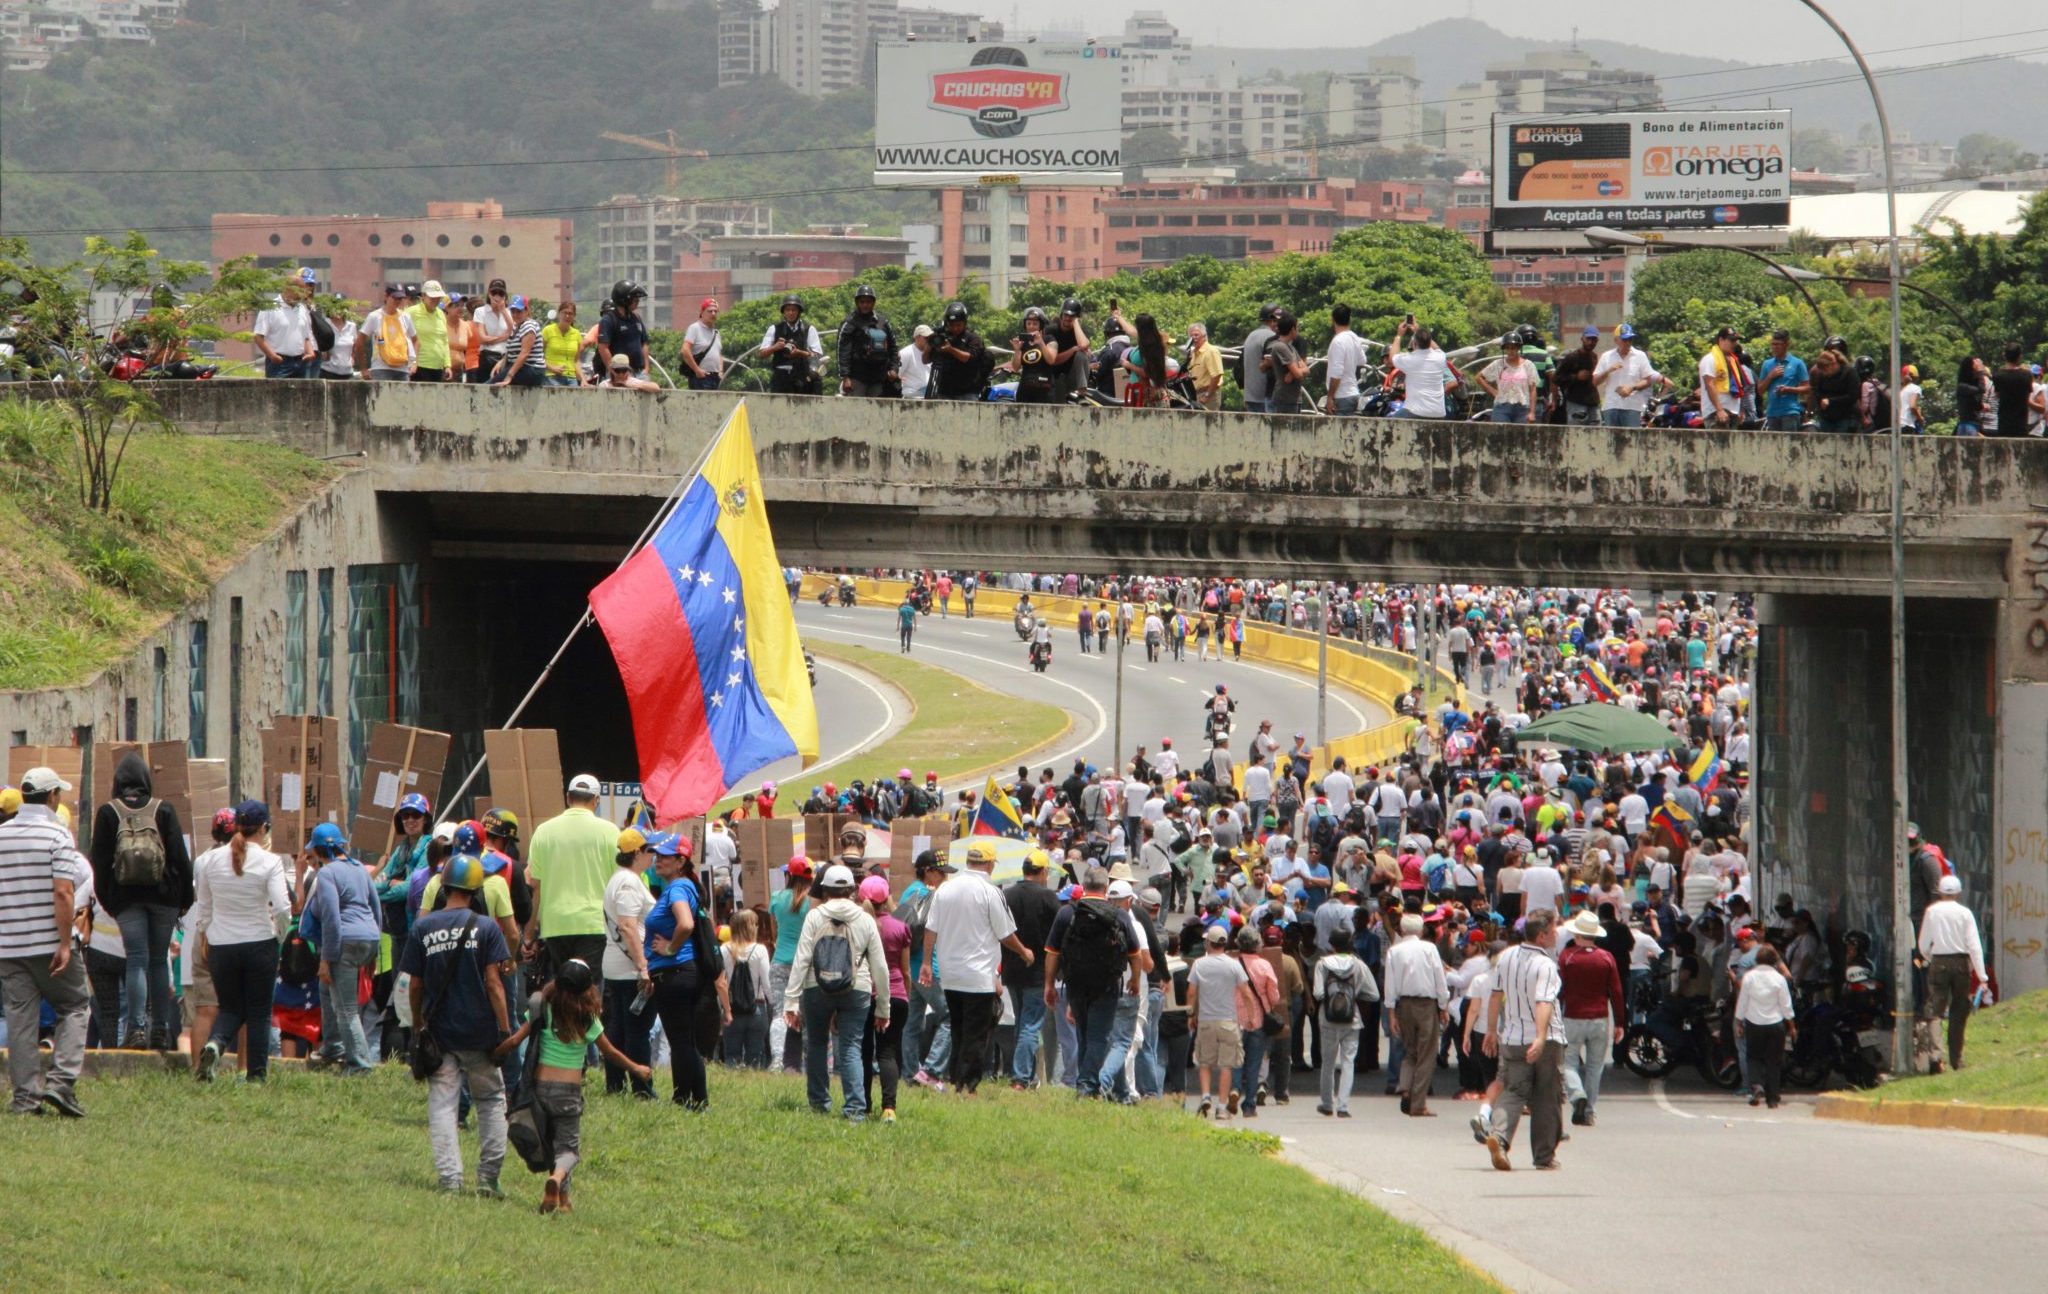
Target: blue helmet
{"points": [[415, 803], [467, 841], [327, 839]]}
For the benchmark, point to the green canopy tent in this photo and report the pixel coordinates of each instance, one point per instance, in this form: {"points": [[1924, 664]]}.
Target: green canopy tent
{"points": [[1598, 726]]}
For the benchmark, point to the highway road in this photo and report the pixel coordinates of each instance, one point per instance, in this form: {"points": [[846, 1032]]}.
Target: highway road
{"points": [[1160, 700]]}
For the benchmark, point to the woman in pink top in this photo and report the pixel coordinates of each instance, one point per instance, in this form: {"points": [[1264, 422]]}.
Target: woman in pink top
{"points": [[886, 1052]]}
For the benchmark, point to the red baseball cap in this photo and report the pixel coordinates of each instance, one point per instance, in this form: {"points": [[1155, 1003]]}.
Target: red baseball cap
{"points": [[708, 303]]}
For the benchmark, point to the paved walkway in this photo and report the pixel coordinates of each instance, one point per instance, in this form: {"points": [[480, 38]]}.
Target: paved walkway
{"points": [[1685, 1189]]}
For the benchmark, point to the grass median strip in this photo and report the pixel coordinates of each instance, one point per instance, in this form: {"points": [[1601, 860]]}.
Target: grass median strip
{"points": [[1011, 1192], [957, 726], [2004, 1063]]}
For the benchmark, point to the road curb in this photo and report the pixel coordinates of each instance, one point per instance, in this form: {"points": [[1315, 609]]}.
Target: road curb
{"points": [[1952, 1116]]}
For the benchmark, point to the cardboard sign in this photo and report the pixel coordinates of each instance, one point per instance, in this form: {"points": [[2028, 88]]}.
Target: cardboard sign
{"points": [[525, 769], [821, 836], [301, 777], [765, 844], [909, 837], [68, 761], [208, 794], [401, 761]]}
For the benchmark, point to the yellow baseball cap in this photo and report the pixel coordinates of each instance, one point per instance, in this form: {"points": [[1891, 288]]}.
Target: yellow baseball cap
{"points": [[631, 841], [981, 851], [10, 800]]}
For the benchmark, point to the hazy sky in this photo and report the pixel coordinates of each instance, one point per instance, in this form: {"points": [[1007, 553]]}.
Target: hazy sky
{"points": [[1763, 31]]}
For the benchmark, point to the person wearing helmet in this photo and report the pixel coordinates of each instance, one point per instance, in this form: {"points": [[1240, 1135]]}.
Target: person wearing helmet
{"points": [[960, 360], [500, 854], [241, 898], [1873, 396], [623, 331], [1625, 378], [832, 992], [408, 855], [464, 958], [343, 910], [1784, 383], [867, 350], [1033, 358], [1070, 352], [1511, 381], [791, 348]]}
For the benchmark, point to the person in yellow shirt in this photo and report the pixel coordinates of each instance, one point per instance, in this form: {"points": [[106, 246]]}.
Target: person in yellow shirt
{"points": [[1205, 368], [562, 343], [431, 327]]}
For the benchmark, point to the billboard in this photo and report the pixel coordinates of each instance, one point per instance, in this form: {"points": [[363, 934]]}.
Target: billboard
{"points": [[1643, 170], [953, 113]]}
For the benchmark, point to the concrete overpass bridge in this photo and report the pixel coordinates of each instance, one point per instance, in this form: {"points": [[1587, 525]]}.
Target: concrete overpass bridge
{"points": [[498, 489]]}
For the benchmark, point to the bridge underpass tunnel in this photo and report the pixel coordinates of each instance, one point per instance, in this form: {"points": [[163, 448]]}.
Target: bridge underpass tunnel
{"points": [[1821, 728]]}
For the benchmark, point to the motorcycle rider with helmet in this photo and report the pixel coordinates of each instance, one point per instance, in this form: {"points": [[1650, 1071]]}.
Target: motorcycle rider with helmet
{"points": [[623, 331], [1070, 352], [867, 350], [790, 345], [1032, 358], [959, 359]]}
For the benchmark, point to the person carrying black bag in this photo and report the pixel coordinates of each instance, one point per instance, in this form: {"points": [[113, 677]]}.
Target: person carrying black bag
{"points": [[456, 961]]}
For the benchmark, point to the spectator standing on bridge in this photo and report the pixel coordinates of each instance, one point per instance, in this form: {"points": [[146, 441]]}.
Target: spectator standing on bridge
{"points": [[562, 344], [284, 333], [1723, 381], [1953, 950], [1785, 383], [1835, 393], [960, 360], [914, 363], [1578, 398], [1286, 378], [2013, 384], [430, 326], [1342, 361], [623, 331], [387, 340], [703, 351], [1625, 377], [1204, 368], [867, 349], [1257, 371], [1511, 381], [1424, 367], [526, 361]]}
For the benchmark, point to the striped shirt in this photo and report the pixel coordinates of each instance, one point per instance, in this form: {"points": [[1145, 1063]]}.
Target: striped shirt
{"points": [[1524, 977], [538, 356], [36, 851]]}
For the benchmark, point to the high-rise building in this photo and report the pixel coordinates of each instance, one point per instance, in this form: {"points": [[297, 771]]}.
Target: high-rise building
{"points": [[1219, 119], [1565, 80], [821, 47], [1153, 50], [745, 42], [1377, 109], [642, 238]]}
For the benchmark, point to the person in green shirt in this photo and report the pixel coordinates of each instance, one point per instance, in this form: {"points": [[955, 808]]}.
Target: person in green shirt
{"points": [[431, 327], [562, 343], [562, 1018], [567, 864], [786, 909]]}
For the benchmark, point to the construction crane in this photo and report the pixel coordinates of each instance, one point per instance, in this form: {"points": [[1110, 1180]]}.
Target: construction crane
{"points": [[668, 150]]}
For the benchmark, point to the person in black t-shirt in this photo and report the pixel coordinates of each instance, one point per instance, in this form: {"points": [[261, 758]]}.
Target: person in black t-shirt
{"points": [[1032, 359], [2014, 384], [1574, 377], [959, 359], [623, 331]]}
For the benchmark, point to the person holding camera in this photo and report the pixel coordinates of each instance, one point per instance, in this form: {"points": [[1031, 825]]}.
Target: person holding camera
{"points": [[1424, 367], [1070, 352], [790, 345]]}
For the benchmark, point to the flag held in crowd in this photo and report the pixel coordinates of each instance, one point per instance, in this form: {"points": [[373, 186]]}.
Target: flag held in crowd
{"points": [[996, 815], [701, 626], [1673, 823], [1595, 680], [1705, 771]]}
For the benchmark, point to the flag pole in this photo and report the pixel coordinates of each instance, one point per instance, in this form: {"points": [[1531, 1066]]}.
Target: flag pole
{"points": [[661, 514]]}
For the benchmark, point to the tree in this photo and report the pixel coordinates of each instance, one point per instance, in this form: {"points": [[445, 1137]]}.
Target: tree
{"points": [[1152, 146], [58, 342], [1817, 148]]}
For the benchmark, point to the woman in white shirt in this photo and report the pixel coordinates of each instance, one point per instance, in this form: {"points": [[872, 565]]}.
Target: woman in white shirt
{"points": [[1763, 1017], [238, 914]]}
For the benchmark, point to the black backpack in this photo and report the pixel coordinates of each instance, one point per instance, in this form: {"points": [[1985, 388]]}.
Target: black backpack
{"points": [[741, 990], [1092, 957], [299, 964], [832, 959]]}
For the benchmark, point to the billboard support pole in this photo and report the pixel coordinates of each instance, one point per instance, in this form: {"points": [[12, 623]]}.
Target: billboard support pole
{"points": [[998, 245]]}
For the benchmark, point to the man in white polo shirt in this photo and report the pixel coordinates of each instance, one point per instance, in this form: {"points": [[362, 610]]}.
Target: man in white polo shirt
{"points": [[970, 924]]}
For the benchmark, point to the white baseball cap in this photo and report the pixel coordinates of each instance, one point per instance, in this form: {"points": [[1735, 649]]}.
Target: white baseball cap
{"points": [[444, 832], [1121, 890], [1947, 885], [40, 781], [584, 784]]}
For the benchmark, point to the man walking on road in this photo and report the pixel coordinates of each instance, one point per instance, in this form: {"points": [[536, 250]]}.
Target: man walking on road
{"points": [[1421, 997], [969, 920], [906, 621], [1594, 1013], [1525, 1029], [40, 870]]}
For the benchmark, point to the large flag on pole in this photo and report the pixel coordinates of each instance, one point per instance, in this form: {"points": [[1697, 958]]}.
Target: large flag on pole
{"points": [[700, 624]]}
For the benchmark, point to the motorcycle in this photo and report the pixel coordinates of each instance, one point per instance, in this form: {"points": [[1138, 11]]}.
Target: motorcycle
{"points": [[1024, 623], [825, 596], [811, 667], [1655, 1047], [1041, 656], [131, 365], [846, 593], [1215, 725], [1851, 1035]]}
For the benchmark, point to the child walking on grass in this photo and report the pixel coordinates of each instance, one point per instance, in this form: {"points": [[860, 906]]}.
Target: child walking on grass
{"points": [[564, 1020]]}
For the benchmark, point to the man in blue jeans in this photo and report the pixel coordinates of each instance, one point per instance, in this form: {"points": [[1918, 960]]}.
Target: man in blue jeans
{"points": [[1093, 947], [284, 333], [1130, 1004], [1151, 1064], [1034, 907], [344, 907]]}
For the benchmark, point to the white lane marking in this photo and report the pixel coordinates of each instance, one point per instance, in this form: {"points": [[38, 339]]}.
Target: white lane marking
{"points": [[1101, 715], [888, 715], [1664, 1104], [976, 633], [1178, 679]]}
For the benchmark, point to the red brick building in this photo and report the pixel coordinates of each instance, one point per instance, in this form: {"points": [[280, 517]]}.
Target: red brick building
{"points": [[463, 244], [743, 267]]}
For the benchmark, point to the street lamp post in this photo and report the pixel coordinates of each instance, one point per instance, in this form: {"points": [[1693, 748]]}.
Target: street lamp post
{"points": [[1601, 236], [1902, 920]]}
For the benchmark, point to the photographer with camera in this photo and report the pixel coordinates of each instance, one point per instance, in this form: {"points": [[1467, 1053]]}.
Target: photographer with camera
{"points": [[1070, 352]]}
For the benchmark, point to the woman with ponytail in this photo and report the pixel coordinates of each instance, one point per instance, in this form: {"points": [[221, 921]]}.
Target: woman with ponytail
{"points": [[238, 916]]}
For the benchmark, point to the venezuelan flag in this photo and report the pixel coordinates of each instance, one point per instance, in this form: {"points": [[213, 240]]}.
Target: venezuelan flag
{"points": [[701, 626], [996, 815], [1674, 822], [1705, 771], [1596, 681]]}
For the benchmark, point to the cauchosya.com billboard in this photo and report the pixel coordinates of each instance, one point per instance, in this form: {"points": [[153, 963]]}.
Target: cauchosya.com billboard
{"points": [[1659, 170], [952, 110]]}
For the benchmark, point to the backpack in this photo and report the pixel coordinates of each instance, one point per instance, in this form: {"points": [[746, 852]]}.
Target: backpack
{"points": [[138, 845], [392, 350], [323, 331], [1340, 1002], [1092, 957], [298, 964], [832, 959], [741, 990]]}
